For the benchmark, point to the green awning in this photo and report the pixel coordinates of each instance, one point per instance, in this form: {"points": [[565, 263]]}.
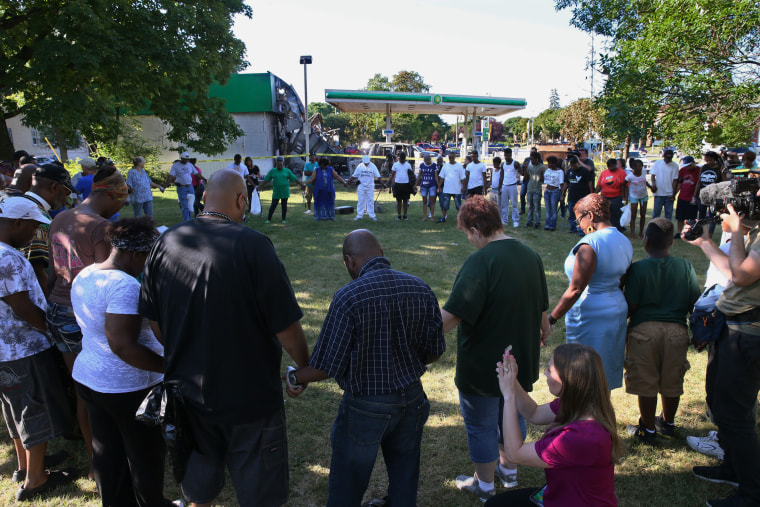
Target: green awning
{"points": [[359, 101]]}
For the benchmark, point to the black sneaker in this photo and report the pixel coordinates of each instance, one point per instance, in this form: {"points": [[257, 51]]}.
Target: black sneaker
{"points": [[715, 474], [55, 480], [51, 461], [666, 429], [642, 435]]}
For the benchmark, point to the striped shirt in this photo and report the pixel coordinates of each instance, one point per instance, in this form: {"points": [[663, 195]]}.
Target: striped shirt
{"points": [[379, 331]]}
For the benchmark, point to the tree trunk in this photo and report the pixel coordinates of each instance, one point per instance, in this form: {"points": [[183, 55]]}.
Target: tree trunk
{"points": [[626, 146], [62, 148], [6, 146]]}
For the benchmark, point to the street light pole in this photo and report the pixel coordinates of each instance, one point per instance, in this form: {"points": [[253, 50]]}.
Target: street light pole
{"points": [[306, 60]]}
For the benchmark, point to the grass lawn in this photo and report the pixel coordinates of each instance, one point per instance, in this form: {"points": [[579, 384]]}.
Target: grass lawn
{"points": [[311, 252]]}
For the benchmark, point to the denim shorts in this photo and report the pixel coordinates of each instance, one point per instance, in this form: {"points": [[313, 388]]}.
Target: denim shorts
{"points": [[63, 328], [428, 191], [445, 200], [483, 420], [637, 200], [34, 405]]}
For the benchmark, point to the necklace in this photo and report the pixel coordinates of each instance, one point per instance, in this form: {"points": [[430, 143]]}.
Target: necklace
{"points": [[214, 214]]}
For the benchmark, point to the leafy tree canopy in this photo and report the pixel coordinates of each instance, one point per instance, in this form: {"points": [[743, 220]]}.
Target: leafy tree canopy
{"points": [[79, 65], [686, 69]]}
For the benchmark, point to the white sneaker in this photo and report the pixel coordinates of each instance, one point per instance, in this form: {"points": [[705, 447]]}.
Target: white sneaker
{"points": [[471, 485], [507, 480], [307, 212], [357, 218], [707, 445]]}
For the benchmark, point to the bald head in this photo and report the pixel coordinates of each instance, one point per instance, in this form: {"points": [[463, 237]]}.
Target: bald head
{"points": [[359, 247], [223, 194], [22, 178]]}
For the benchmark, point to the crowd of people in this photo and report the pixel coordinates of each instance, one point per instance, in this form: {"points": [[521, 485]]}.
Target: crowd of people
{"points": [[125, 311]]}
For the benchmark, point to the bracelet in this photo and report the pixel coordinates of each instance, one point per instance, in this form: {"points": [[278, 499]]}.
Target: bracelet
{"points": [[552, 320]]}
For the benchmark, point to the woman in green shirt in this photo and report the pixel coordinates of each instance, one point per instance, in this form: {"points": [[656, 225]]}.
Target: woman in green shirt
{"points": [[280, 177]]}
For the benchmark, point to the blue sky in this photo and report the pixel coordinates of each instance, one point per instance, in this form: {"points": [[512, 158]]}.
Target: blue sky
{"points": [[507, 48]]}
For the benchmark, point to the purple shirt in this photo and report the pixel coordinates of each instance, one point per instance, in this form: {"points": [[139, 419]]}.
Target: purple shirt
{"points": [[582, 472]]}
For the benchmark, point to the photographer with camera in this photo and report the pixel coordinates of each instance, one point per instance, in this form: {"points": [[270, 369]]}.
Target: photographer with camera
{"points": [[733, 376]]}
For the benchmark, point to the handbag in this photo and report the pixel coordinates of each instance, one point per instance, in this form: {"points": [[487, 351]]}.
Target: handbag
{"points": [[706, 321], [152, 410]]}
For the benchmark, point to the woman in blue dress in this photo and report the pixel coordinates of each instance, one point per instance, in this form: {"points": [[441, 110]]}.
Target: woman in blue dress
{"points": [[593, 305], [324, 190]]}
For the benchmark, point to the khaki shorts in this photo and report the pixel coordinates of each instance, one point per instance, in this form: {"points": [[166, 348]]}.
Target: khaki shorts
{"points": [[655, 359]]}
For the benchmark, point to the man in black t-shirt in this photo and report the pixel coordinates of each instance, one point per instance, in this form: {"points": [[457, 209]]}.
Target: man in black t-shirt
{"points": [[579, 182], [220, 301]]}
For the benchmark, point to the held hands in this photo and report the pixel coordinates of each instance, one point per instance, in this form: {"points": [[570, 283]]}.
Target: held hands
{"points": [[506, 370]]}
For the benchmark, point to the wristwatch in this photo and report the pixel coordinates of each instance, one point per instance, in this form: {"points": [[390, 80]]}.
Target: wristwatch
{"points": [[552, 320], [291, 377]]}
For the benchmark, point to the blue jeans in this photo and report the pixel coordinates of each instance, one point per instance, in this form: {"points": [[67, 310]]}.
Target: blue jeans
{"points": [[143, 207], [574, 226], [534, 209], [661, 201], [183, 193], [551, 201], [63, 327], [364, 424], [523, 193], [615, 213], [483, 420]]}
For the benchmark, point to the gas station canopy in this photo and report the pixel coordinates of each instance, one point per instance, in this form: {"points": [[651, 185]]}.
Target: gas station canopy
{"points": [[351, 101]]}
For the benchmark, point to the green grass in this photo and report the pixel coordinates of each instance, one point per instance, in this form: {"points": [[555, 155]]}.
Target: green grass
{"points": [[311, 252]]}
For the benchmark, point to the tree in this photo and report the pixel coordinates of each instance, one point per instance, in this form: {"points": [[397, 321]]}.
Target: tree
{"points": [[497, 130], [77, 67], [516, 126], [700, 61], [578, 120], [436, 137], [554, 100], [547, 126], [408, 81]]}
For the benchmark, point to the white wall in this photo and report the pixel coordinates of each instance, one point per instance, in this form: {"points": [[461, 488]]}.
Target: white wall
{"points": [[24, 138]]}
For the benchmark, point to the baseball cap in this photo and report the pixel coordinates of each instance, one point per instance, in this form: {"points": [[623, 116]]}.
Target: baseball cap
{"points": [[23, 208], [280, 159], [686, 161], [184, 155], [88, 163], [365, 159], [55, 172]]}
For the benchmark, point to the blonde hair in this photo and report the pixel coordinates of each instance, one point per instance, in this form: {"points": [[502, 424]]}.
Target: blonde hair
{"points": [[585, 392]]}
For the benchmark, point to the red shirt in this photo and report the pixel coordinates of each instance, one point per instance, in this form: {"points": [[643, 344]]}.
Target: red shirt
{"points": [[612, 183], [581, 472], [196, 177], [688, 176]]}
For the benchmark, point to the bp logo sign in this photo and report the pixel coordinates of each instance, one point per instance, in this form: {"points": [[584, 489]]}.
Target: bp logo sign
{"points": [[437, 99]]}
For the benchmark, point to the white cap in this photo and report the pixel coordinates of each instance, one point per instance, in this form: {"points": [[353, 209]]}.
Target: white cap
{"points": [[22, 208], [185, 155], [365, 159]]}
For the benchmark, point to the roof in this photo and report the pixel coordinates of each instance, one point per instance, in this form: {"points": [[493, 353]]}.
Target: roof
{"points": [[243, 93], [360, 101]]}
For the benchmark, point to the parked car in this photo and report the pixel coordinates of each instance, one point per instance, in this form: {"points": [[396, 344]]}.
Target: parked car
{"points": [[45, 160], [638, 156]]}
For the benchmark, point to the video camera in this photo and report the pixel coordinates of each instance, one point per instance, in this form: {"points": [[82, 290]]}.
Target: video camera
{"points": [[740, 193]]}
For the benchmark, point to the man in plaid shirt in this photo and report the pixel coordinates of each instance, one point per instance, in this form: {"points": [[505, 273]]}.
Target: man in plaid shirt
{"points": [[380, 332]]}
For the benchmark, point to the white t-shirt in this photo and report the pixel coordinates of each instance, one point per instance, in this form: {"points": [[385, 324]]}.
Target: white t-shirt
{"points": [[402, 176], [476, 174], [18, 339], [366, 174], [637, 185], [238, 168], [183, 172], [664, 174], [511, 176], [554, 177], [452, 176], [94, 293]]}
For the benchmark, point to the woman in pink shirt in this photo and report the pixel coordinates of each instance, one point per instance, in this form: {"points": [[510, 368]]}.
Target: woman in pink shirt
{"points": [[581, 446]]}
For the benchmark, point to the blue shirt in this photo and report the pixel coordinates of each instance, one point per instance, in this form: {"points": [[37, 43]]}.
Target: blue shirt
{"points": [[84, 186], [428, 174], [139, 181], [379, 331]]}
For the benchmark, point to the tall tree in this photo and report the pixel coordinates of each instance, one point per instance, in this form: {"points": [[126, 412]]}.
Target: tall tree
{"points": [[554, 100], [77, 66], [700, 61], [579, 120]]}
